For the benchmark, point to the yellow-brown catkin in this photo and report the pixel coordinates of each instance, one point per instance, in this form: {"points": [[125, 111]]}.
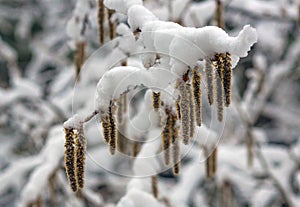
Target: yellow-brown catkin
{"points": [[79, 57], [154, 185], [219, 14], [197, 93], [218, 81], [111, 25], [106, 129], [167, 137], [136, 148], [214, 162], [192, 110], [227, 78], [80, 148], [184, 112], [101, 15], [226, 194], [70, 158], [209, 81], [113, 129], [176, 156], [156, 102]]}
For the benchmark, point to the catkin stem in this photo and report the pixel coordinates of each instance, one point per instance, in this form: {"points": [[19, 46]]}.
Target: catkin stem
{"points": [[219, 14]]}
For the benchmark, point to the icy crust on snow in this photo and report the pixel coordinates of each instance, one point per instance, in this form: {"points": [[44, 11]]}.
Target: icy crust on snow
{"points": [[75, 122]]}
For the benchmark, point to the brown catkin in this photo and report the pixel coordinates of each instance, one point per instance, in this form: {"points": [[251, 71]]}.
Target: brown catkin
{"points": [[192, 110], [209, 81], [111, 25], [101, 15], [184, 112], [154, 185], [70, 158], [218, 81], [113, 129], [176, 156], [156, 102], [136, 148], [227, 78], [219, 14], [249, 142], [166, 138], [197, 93], [106, 129], [79, 57], [178, 107], [80, 148], [214, 161]]}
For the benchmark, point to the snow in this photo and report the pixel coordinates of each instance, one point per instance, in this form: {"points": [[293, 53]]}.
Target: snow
{"points": [[75, 122], [138, 16], [121, 6]]}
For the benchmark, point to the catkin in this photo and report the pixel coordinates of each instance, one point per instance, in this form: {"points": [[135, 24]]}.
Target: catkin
{"points": [[197, 93], [101, 15], [154, 185], [191, 110], [120, 113], [214, 163], [209, 81], [219, 14], [79, 57], [70, 158], [106, 129], [227, 78], [113, 130], [80, 148], [136, 148], [184, 112], [111, 25], [176, 157], [156, 103], [166, 138], [218, 82]]}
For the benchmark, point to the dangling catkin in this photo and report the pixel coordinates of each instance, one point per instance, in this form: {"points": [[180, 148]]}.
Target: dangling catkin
{"points": [[79, 57], [214, 161], [101, 15], [227, 78], [113, 129], [70, 158], [176, 156], [218, 85], [154, 185], [209, 81], [184, 112], [197, 93], [156, 102], [80, 148], [192, 110], [166, 138], [106, 129]]}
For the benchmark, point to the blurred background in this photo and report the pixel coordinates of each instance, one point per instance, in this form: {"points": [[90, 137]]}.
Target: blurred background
{"points": [[259, 152]]}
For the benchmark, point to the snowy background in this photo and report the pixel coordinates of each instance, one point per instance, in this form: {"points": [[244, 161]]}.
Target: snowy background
{"points": [[258, 141]]}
